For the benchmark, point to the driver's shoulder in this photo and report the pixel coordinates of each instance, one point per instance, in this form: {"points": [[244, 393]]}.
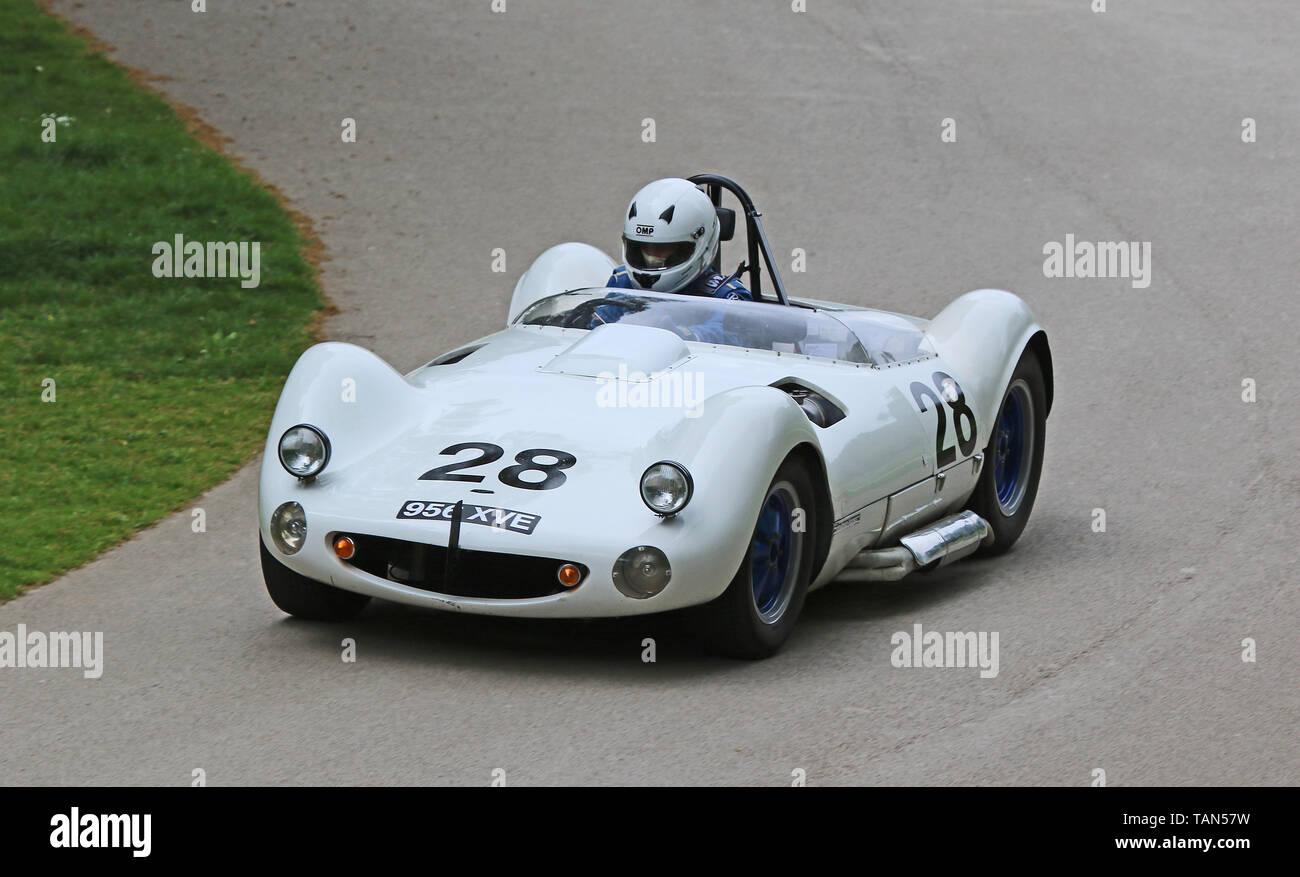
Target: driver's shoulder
{"points": [[620, 279]]}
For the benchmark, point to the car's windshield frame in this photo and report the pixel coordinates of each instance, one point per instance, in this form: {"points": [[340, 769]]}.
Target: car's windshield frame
{"points": [[741, 324]]}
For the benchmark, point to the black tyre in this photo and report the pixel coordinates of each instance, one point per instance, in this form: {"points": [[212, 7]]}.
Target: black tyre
{"points": [[1013, 460], [306, 598], [756, 614]]}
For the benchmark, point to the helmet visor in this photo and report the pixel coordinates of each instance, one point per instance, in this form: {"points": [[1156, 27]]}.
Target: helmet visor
{"points": [[656, 255]]}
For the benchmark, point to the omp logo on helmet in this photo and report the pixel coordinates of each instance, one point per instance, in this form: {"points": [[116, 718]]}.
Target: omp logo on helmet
{"points": [[645, 229]]}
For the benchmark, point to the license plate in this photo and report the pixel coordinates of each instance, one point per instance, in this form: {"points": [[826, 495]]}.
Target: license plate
{"points": [[483, 515]]}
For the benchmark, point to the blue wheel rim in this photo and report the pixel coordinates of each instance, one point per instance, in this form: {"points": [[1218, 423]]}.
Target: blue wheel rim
{"points": [[773, 555], [1013, 448]]}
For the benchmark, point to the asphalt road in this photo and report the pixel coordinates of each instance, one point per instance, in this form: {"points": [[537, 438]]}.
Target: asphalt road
{"points": [[1120, 650]]}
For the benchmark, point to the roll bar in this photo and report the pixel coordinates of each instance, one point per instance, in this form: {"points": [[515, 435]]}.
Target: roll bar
{"points": [[754, 233]]}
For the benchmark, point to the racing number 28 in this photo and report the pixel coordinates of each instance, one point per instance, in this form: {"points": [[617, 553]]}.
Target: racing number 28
{"points": [[950, 391], [511, 475]]}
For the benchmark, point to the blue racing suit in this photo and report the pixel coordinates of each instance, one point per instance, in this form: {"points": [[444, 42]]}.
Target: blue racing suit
{"points": [[707, 284]]}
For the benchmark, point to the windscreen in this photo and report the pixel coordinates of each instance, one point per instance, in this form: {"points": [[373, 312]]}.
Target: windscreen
{"points": [[753, 325]]}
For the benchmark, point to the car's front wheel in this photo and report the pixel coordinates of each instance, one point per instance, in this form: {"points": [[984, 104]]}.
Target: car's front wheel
{"points": [[756, 614], [1013, 460], [305, 598]]}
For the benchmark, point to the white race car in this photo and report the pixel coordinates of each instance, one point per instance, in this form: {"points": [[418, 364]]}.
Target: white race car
{"points": [[578, 465]]}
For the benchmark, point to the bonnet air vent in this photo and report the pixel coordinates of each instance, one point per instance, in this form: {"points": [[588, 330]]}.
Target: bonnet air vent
{"points": [[455, 355]]}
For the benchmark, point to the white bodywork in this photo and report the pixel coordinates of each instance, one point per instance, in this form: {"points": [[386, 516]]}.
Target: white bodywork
{"points": [[538, 387]]}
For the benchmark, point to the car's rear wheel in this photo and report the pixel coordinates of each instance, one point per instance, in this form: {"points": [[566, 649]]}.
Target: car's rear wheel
{"points": [[1013, 460], [756, 614], [306, 598]]}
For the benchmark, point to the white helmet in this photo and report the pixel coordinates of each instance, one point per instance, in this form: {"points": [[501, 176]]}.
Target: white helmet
{"points": [[671, 235]]}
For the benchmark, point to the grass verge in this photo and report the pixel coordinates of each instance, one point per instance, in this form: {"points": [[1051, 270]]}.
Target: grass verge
{"points": [[161, 387]]}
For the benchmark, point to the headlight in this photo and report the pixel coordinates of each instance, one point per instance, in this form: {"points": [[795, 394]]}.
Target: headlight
{"points": [[304, 451], [289, 527], [666, 487], [641, 572]]}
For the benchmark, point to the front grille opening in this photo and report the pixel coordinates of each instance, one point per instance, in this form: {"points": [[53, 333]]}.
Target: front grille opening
{"points": [[485, 574]]}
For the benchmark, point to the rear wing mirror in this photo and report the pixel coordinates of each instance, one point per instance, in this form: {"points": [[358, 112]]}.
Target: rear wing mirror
{"points": [[727, 221]]}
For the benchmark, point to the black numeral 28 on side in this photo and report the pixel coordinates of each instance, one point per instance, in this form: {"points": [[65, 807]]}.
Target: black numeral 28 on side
{"points": [[961, 416], [510, 476]]}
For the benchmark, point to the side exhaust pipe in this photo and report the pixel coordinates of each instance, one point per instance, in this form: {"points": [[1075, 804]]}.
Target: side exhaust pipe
{"points": [[930, 547]]}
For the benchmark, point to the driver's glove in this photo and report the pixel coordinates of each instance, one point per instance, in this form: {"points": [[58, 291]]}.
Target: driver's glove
{"points": [[606, 314]]}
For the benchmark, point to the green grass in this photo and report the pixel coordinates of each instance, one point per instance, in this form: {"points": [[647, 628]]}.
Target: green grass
{"points": [[163, 387]]}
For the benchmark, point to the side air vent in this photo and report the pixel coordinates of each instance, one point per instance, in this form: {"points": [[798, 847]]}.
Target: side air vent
{"points": [[820, 410], [455, 355]]}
